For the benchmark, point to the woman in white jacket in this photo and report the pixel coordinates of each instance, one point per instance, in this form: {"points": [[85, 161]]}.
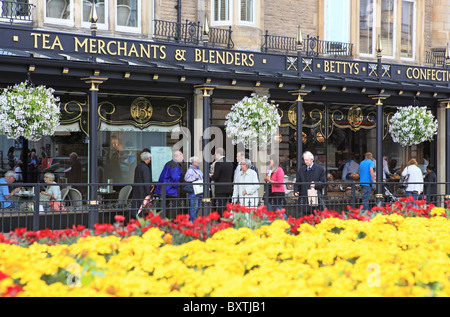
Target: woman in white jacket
{"points": [[415, 179], [246, 186]]}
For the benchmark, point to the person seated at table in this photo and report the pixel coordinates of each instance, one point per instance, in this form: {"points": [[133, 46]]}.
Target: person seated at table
{"points": [[332, 187], [5, 195], [351, 168], [52, 193]]}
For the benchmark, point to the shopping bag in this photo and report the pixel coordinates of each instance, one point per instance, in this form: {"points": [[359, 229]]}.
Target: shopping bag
{"points": [[198, 189], [313, 199], [57, 205]]}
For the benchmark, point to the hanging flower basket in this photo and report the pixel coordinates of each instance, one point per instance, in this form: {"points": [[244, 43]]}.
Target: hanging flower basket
{"points": [[253, 120], [29, 112], [412, 125]]}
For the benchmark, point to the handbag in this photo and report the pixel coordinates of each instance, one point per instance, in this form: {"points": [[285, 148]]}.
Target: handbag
{"points": [[403, 183], [57, 205], [313, 198], [198, 189], [188, 188]]}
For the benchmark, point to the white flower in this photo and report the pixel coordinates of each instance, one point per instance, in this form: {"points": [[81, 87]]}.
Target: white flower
{"points": [[412, 125], [253, 120], [29, 112]]}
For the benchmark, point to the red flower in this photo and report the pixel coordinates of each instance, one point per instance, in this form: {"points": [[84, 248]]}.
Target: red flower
{"points": [[119, 218]]}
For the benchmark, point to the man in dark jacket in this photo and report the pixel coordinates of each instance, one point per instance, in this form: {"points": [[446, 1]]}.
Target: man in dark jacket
{"points": [[172, 173], [309, 176], [142, 179], [430, 185], [223, 173]]}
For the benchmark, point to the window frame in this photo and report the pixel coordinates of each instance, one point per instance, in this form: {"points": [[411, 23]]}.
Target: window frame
{"points": [[394, 31], [244, 22], [101, 26], [414, 31], [374, 35], [66, 22], [129, 29], [222, 22], [326, 19]]}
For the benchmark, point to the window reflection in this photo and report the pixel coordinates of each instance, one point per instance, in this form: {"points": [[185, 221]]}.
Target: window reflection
{"points": [[127, 13], [58, 9], [100, 7]]}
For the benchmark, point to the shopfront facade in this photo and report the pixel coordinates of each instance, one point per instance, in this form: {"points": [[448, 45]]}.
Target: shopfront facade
{"points": [[137, 94]]}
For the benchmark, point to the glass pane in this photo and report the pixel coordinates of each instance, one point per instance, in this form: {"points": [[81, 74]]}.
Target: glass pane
{"points": [[127, 13], [366, 20], [337, 29], [58, 9], [387, 27], [407, 29], [99, 7], [247, 10]]}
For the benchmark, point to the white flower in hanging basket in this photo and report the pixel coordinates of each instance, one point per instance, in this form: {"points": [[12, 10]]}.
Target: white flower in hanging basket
{"points": [[412, 125], [29, 112], [253, 120]]}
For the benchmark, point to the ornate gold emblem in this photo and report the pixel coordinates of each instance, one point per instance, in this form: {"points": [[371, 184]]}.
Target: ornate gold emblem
{"points": [[141, 110], [292, 114], [355, 117]]}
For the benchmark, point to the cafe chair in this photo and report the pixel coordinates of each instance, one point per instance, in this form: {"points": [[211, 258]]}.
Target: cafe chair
{"points": [[75, 198], [124, 195]]}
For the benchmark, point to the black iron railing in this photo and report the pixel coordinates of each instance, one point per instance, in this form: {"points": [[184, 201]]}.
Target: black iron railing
{"points": [[35, 211], [191, 33], [312, 46], [16, 11], [435, 58]]}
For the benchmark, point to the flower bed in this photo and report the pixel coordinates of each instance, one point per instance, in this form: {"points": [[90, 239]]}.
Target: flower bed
{"points": [[393, 251]]}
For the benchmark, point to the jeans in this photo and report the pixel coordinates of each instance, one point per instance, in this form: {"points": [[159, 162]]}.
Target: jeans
{"points": [[414, 195], [194, 205], [365, 196]]}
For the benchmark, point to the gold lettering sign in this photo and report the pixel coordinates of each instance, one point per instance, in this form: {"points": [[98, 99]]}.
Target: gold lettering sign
{"points": [[141, 110], [428, 74], [341, 67]]}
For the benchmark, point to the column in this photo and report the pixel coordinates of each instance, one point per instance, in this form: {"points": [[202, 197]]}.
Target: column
{"points": [[447, 146], [93, 137], [299, 93], [379, 155], [207, 92]]}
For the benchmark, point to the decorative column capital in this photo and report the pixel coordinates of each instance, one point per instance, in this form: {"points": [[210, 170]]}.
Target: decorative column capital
{"points": [[300, 93], [94, 81], [207, 89], [378, 98], [445, 101]]}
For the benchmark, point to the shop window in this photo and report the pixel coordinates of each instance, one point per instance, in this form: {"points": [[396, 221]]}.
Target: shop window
{"points": [[101, 7], [221, 11], [247, 11], [337, 19], [407, 29], [127, 15], [367, 27], [59, 11]]}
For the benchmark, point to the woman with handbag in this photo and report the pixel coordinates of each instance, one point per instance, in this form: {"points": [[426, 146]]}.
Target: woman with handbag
{"points": [[193, 174], [415, 179], [52, 193], [275, 174]]}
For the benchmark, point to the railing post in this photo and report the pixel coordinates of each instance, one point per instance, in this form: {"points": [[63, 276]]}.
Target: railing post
{"points": [[353, 191], [36, 189], [163, 200]]}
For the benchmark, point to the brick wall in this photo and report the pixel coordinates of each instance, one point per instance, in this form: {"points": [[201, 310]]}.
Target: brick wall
{"points": [[440, 25], [282, 17]]}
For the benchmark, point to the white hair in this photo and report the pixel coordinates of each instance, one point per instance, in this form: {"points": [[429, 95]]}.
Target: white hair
{"points": [[145, 156], [10, 173], [194, 159], [308, 154]]}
